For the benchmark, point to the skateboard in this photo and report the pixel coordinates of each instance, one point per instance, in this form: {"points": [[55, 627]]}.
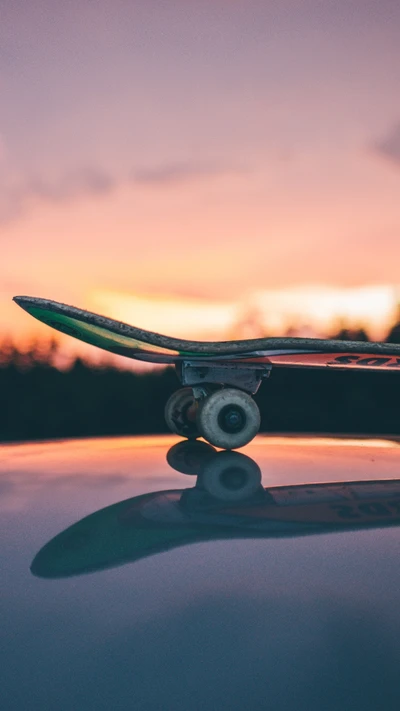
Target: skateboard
{"points": [[218, 377]]}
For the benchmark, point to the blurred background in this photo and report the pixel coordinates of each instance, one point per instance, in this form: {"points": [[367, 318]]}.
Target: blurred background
{"points": [[205, 169]]}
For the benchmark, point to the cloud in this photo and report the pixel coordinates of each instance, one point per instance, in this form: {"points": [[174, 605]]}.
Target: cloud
{"points": [[389, 145], [2, 149], [182, 172], [17, 195], [83, 182]]}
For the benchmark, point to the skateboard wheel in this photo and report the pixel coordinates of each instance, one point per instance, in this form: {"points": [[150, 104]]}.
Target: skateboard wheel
{"points": [[177, 415], [231, 476], [228, 418], [189, 457]]}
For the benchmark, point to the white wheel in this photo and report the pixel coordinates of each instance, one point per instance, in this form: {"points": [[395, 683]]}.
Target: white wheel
{"points": [[229, 418], [180, 413], [231, 476]]}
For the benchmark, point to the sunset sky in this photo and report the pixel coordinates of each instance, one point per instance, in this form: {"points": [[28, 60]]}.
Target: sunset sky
{"points": [[190, 166]]}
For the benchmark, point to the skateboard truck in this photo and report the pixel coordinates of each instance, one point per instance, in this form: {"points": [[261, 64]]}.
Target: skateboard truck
{"points": [[216, 402], [247, 378]]}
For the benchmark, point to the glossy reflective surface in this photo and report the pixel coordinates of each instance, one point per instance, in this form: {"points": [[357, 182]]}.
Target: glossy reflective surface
{"points": [[214, 588]]}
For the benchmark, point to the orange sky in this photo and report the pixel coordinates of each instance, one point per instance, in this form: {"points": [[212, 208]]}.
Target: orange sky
{"points": [[180, 165]]}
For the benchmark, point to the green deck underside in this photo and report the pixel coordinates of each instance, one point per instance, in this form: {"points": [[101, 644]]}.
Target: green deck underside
{"points": [[97, 335]]}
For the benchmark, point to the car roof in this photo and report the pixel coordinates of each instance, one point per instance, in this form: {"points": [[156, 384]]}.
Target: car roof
{"points": [[245, 614]]}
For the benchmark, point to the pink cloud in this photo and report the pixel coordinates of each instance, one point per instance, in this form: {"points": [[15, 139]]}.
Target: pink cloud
{"points": [[389, 145]]}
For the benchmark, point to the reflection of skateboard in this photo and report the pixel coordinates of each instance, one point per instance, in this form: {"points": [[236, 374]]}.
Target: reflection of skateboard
{"points": [[219, 376], [227, 502]]}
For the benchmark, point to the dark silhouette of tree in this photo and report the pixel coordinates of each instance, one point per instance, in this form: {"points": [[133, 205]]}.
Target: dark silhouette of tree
{"points": [[343, 335], [360, 334], [394, 333], [347, 334]]}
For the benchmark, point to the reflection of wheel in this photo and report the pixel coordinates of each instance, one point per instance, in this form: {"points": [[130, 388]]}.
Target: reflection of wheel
{"points": [[231, 476], [228, 418], [180, 413], [189, 457]]}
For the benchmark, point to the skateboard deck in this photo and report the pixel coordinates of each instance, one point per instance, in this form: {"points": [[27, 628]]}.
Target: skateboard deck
{"points": [[131, 342]]}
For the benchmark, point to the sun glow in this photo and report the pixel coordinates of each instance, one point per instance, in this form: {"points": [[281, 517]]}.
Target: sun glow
{"points": [[173, 316], [305, 310], [319, 310]]}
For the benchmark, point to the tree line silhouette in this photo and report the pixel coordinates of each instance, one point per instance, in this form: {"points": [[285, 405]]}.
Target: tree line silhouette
{"points": [[40, 401]]}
